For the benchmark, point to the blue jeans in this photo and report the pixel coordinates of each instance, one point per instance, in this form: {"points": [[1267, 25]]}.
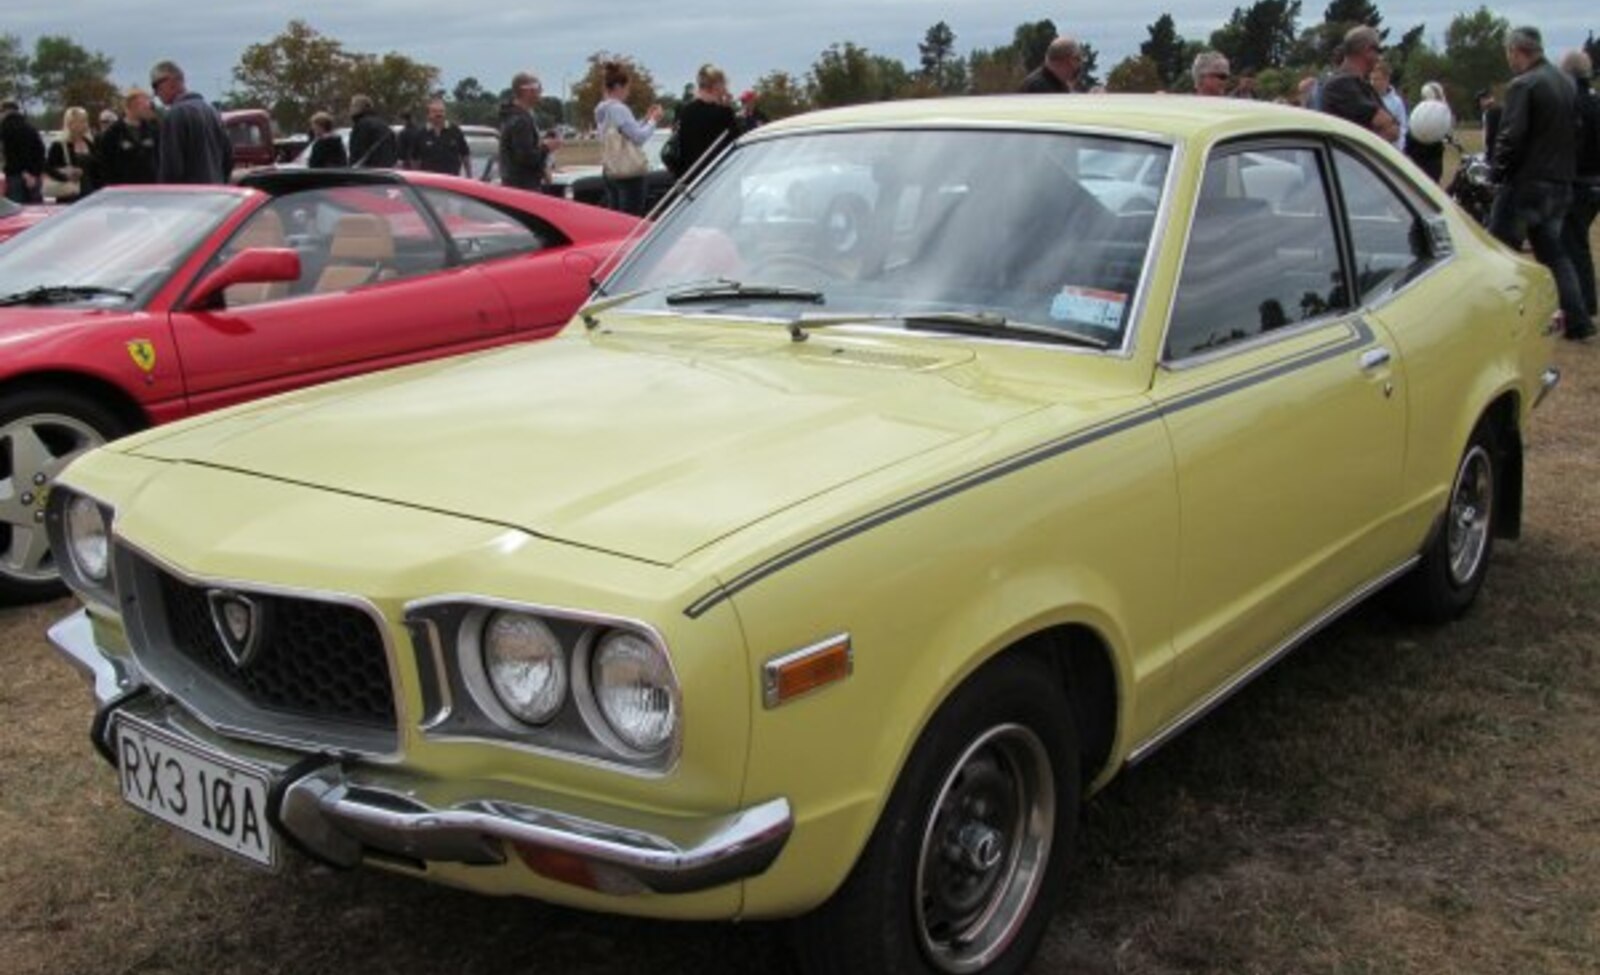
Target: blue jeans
{"points": [[1533, 210], [626, 195]]}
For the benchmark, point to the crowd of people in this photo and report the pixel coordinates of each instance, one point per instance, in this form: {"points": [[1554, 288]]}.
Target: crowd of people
{"points": [[1543, 144]]}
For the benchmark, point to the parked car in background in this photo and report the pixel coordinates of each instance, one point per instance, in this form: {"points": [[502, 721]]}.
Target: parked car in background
{"points": [[821, 583], [15, 218], [585, 184], [141, 305], [250, 131]]}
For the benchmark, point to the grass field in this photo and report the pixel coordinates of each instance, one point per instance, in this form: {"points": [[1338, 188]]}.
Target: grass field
{"points": [[1387, 800]]}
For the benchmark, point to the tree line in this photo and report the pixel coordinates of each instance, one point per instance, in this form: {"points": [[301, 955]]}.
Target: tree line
{"points": [[302, 71]]}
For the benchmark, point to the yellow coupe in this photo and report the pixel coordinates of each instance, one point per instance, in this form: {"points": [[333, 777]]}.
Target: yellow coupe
{"points": [[924, 466]]}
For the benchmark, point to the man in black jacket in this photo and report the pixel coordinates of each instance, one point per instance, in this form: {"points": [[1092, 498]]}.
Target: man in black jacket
{"points": [[23, 148], [127, 147], [194, 146], [1533, 161], [1063, 61], [524, 153], [372, 143], [1586, 190]]}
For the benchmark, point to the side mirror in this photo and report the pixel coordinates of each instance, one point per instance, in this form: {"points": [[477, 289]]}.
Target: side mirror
{"points": [[255, 265]]}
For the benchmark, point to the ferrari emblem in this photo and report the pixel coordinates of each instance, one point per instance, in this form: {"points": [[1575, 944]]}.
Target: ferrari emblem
{"points": [[143, 353]]}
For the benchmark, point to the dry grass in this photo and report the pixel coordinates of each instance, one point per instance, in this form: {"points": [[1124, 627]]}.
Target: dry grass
{"points": [[1387, 800]]}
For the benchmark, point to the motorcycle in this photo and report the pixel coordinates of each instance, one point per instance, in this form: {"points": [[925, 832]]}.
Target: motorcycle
{"points": [[1472, 187]]}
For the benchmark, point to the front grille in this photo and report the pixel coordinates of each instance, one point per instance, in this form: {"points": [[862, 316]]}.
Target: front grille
{"points": [[319, 659]]}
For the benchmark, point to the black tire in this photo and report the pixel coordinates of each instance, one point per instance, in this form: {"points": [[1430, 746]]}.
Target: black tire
{"points": [[1453, 566], [974, 840], [845, 224], [40, 430]]}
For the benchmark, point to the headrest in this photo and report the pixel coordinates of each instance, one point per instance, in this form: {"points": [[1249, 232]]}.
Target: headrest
{"points": [[265, 229], [361, 237]]}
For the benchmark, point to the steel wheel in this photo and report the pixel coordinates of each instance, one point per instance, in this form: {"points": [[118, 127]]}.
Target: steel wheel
{"points": [[1471, 502], [985, 849]]}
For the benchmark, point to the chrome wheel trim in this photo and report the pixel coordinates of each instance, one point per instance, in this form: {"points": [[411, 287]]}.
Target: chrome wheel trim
{"points": [[1467, 528], [985, 849], [33, 450]]}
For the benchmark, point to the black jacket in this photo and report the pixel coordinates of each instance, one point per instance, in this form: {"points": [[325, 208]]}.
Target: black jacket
{"points": [[523, 155], [194, 146], [22, 146], [1042, 81], [372, 143], [327, 152], [1588, 134], [1535, 140], [700, 125], [61, 155], [128, 152]]}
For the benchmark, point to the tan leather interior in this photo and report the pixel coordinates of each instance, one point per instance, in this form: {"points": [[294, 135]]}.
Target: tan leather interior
{"points": [[362, 251], [265, 229]]}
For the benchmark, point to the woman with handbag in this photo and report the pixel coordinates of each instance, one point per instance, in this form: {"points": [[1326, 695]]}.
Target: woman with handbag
{"points": [[622, 161], [69, 168]]}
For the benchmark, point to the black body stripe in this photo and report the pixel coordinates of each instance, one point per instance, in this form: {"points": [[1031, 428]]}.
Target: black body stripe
{"points": [[1360, 336]]}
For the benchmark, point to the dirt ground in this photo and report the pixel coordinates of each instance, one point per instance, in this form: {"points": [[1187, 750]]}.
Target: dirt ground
{"points": [[1387, 800]]}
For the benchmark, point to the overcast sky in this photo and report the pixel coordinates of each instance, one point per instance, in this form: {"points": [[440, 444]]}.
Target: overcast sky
{"points": [[491, 40]]}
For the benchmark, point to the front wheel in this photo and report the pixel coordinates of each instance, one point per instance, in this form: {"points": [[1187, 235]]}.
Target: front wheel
{"points": [[968, 860], [1451, 571], [40, 432]]}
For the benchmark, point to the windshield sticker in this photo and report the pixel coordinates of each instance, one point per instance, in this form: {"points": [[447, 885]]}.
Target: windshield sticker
{"points": [[1089, 306], [143, 354]]}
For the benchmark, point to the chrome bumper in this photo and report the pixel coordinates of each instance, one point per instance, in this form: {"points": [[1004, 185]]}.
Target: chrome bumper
{"points": [[341, 814]]}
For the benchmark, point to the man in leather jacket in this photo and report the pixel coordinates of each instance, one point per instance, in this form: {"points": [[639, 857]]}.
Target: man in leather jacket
{"points": [[1533, 160]]}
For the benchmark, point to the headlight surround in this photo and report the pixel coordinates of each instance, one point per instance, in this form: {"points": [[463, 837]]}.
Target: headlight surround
{"points": [[525, 665], [88, 537], [634, 691]]}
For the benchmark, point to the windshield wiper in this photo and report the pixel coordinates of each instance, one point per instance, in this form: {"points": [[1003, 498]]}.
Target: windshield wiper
{"points": [[739, 291], [47, 294], [979, 323]]}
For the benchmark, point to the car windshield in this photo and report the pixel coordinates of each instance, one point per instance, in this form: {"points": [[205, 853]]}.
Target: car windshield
{"points": [[1036, 228], [116, 241], [7, 208]]}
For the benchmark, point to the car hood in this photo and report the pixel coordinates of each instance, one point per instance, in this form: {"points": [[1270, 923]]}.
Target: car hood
{"points": [[21, 325], [651, 442]]}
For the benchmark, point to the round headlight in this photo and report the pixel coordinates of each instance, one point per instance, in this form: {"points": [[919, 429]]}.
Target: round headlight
{"points": [[88, 539], [635, 689], [526, 666]]}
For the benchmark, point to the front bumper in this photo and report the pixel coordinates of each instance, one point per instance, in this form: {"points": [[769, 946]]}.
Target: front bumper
{"points": [[343, 813]]}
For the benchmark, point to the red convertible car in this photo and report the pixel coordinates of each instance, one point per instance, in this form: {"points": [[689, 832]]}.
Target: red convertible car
{"points": [[141, 305], [14, 219]]}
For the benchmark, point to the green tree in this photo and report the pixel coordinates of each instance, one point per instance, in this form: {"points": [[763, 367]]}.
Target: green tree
{"points": [[1353, 12], [1262, 35], [995, 71], [1399, 54], [590, 89], [293, 76], [14, 80], [1474, 50], [1591, 47], [1087, 78], [395, 83], [1137, 73], [62, 70], [780, 95], [1164, 50], [472, 104], [942, 68], [1031, 41], [846, 74]]}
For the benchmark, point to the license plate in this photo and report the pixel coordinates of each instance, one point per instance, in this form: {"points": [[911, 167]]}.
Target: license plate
{"points": [[221, 801]]}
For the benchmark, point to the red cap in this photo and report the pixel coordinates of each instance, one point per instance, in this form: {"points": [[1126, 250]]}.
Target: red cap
{"points": [[748, 96]]}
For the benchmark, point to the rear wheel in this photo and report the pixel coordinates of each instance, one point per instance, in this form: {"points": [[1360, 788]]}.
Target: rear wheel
{"points": [[1453, 566], [968, 860], [40, 432]]}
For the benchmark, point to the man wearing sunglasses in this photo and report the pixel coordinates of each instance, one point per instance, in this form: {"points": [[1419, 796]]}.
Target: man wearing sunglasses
{"points": [[193, 145], [1210, 72]]}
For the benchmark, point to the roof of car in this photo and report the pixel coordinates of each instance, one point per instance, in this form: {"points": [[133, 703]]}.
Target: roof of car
{"points": [[292, 179], [1180, 116]]}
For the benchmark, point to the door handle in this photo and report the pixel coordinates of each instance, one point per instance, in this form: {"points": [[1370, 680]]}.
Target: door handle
{"points": [[1375, 358]]}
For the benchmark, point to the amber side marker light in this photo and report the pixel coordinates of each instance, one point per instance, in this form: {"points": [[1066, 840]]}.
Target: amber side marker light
{"points": [[568, 868], [809, 669]]}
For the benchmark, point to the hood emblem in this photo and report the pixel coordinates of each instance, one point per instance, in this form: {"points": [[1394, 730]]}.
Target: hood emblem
{"points": [[241, 625]]}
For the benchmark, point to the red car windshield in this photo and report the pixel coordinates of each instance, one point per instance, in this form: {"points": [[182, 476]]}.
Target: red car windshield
{"points": [[116, 247]]}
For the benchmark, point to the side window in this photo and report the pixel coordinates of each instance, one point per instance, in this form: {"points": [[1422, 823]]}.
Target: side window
{"points": [[1389, 239], [482, 232], [1262, 254], [265, 228], [365, 235]]}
